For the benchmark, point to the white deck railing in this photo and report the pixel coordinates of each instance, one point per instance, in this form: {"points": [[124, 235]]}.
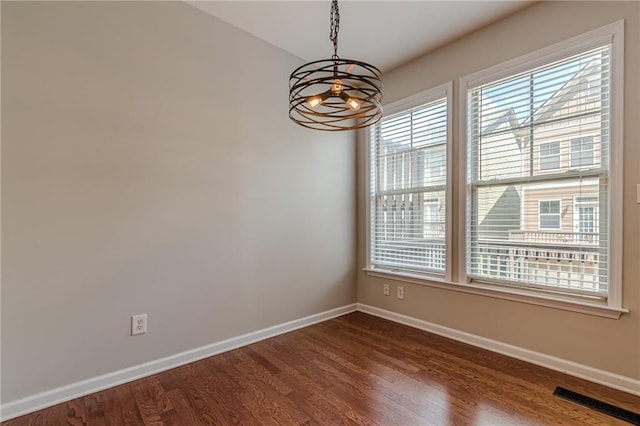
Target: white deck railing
{"points": [[558, 237]]}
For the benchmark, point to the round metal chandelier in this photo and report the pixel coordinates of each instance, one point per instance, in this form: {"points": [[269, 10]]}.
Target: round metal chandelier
{"points": [[335, 94]]}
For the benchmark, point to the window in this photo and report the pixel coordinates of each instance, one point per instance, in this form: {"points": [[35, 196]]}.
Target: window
{"points": [[549, 215], [408, 198], [549, 156], [581, 152], [541, 134], [585, 219], [539, 174]]}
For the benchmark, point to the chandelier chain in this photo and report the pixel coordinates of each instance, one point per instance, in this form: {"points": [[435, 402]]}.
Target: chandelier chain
{"points": [[334, 20]]}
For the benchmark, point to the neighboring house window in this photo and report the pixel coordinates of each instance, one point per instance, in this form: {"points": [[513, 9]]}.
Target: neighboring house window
{"points": [[549, 156], [549, 215], [537, 136], [581, 153], [408, 162]]}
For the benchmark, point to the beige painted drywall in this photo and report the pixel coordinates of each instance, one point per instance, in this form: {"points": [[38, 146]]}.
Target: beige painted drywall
{"points": [[611, 345], [149, 166]]}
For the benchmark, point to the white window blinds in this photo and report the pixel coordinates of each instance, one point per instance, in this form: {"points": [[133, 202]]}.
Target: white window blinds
{"points": [[538, 147], [408, 189]]}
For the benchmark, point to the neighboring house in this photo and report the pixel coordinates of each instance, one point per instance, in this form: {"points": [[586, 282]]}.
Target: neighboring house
{"points": [[572, 210], [558, 220]]}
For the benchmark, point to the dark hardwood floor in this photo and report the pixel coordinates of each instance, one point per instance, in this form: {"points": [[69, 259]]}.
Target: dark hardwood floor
{"points": [[356, 369]]}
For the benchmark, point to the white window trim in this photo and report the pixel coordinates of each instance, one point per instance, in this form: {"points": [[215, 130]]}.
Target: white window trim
{"points": [[444, 90], [559, 215], [613, 33]]}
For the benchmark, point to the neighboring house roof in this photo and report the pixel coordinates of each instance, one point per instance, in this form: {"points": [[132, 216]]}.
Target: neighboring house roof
{"points": [[508, 116], [555, 102], [564, 94]]}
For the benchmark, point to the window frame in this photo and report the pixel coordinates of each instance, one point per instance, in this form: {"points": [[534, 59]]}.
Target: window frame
{"points": [[547, 156], [613, 34], [444, 90], [571, 152], [559, 214]]}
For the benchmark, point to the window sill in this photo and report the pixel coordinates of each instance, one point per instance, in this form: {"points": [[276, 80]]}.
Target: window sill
{"points": [[516, 295]]}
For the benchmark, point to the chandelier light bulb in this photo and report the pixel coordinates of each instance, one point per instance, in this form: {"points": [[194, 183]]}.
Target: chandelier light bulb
{"points": [[353, 104], [314, 101]]}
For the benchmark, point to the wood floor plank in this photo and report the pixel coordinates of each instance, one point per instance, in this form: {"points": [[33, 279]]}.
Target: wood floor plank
{"points": [[199, 404], [218, 390], [76, 414], [398, 386], [183, 407], [130, 412], [249, 366], [380, 364], [313, 378], [144, 396], [94, 408], [312, 391], [353, 370], [260, 398], [347, 385], [111, 408]]}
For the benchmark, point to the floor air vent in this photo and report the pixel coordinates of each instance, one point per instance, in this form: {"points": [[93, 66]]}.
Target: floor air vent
{"points": [[594, 404]]}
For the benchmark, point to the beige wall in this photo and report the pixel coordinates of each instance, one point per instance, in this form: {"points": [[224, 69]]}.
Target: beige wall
{"points": [[612, 345], [149, 166]]}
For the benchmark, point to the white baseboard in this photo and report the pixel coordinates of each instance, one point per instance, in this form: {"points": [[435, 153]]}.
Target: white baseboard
{"points": [[602, 377], [46, 399]]}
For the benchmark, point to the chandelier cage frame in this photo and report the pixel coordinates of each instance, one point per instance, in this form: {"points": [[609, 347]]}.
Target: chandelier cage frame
{"points": [[335, 94]]}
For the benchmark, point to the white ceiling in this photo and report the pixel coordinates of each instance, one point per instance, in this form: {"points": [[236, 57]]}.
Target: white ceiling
{"points": [[383, 33]]}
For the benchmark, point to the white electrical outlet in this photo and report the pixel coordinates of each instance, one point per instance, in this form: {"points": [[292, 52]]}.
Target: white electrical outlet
{"points": [[138, 324], [400, 292], [385, 289]]}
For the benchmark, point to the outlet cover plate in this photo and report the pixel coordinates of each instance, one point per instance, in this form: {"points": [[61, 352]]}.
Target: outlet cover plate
{"points": [[138, 324]]}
